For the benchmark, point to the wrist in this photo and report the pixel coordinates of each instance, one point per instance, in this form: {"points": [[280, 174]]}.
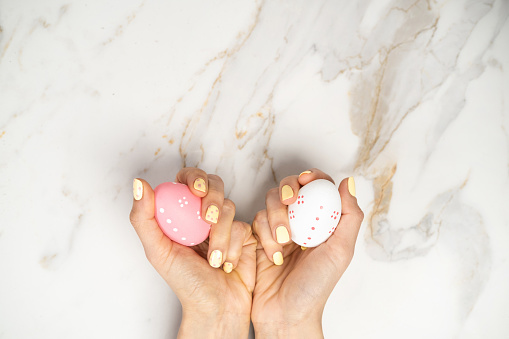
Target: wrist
{"points": [[222, 325], [311, 328]]}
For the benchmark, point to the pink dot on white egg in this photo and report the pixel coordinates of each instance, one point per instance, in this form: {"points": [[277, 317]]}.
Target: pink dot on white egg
{"points": [[161, 210], [175, 229]]}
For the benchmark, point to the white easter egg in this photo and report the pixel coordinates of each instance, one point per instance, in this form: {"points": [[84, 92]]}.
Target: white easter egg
{"points": [[315, 214]]}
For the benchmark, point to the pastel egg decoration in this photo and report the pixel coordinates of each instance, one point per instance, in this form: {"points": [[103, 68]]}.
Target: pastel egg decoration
{"points": [[178, 213], [316, 213]]}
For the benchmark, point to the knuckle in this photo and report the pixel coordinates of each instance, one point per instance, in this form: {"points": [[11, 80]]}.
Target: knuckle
{"points": [[359, 214], [229, 206], [272, 191], [133, 218], [260, 216], [217, 178]]}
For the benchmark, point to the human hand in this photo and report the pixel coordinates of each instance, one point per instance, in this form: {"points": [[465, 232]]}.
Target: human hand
{"points": [[215, 303], [292, 284]]}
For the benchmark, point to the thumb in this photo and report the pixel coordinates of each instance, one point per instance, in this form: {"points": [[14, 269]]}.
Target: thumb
{"points": [[346, 233], [157, 245]]}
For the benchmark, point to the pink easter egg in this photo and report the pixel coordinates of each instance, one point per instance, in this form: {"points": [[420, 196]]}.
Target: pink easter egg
{"points": [[178, 213]]}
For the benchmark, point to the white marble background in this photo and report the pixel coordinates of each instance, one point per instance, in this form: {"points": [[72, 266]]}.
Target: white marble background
{"points": [[410, 97]]}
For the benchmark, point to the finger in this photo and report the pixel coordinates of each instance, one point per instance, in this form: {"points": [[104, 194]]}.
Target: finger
{"points": [[261, 228], [346, 233], [288, 188], [277, 213], [212, 203], [307, 176], [195, 179], [239, 235], [157, 246], [219, 239]]}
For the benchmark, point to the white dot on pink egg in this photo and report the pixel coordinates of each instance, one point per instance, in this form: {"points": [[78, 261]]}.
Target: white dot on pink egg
{"points": [[175, 229], [168, 221], [161, 210], [183, 238]]}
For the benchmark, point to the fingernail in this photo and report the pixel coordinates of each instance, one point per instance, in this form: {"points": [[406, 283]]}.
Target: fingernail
{"points": [[216, 257], [282, 235], [199, 185], [137, 189], [351, 186], [278, 258], [303, 248], [212, 214], [228, 267], [305, 172], [286, 192]]}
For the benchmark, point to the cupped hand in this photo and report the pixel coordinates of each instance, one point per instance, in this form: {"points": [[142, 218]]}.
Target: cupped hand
{"points": [[294, 283], [215, 302]]}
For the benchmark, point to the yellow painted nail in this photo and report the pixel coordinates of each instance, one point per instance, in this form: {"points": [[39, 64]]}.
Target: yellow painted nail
{"points": [[137, 189], [305, 172], [351, 186], [216, 257], [212, 214], [286, 192], [282, 235], [278, 258], [199, 185], [228, 267], [303, 248]]}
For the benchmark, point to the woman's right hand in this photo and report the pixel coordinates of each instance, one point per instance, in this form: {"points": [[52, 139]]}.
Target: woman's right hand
{"points": [[292, 284], [216, 303]]}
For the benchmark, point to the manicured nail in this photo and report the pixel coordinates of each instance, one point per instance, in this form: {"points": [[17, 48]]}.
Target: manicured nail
{"points": [[199, 185], [278, 258], [212, 214], [351, 186], [282, 235], [137, 189], [305, 172], [228, 267], [303, 248], [216, 257], [286, 192]]}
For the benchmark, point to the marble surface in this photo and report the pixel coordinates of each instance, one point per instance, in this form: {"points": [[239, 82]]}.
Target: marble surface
{"points": [[410, 97]]}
